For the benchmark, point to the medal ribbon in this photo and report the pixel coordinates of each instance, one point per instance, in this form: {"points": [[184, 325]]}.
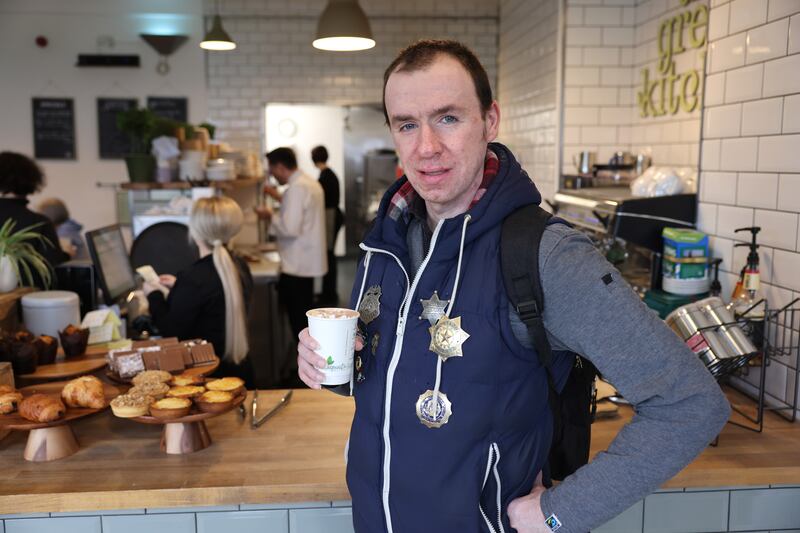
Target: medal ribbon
{"points": [[435, 402]]}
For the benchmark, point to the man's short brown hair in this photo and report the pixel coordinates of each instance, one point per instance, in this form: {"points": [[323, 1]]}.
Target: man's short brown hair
{"points": [[421, 55]]}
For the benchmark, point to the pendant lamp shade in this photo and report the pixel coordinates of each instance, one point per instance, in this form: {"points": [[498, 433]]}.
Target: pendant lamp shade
{"points": [[217, 38], [343, 27]]}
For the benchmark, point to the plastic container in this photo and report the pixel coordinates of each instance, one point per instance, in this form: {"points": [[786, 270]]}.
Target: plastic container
{"points": [[686, 287], [48, 312]]}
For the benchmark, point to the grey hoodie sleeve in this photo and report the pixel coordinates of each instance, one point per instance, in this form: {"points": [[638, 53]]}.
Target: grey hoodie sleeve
{"points": [[679, 408]]}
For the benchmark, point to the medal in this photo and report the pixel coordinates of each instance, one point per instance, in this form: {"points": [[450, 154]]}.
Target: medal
{"points": [[376, 338], [447, 337], [433, 308], [370, 307], [433, 416], [359, 363]]}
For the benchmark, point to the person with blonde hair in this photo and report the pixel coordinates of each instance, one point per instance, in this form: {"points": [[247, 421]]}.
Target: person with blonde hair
{"points": [[209, 299]]}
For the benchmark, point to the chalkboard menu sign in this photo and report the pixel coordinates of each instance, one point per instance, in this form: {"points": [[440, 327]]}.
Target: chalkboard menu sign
{"points": [[173, 108], [53, 128], [113, 143]]}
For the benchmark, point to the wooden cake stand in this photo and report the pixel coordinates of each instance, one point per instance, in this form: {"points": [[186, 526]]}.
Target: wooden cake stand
{"points": [[200, 370], [49, 441], [91, 361], [189, 433]]}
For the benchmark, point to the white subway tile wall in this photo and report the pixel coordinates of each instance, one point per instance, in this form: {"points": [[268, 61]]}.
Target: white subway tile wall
{"points": [[275, 62], [757, 50], [527, 86]]}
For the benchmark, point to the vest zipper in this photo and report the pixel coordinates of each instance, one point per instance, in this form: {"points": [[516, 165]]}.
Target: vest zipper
{"points": [[405, 306]]}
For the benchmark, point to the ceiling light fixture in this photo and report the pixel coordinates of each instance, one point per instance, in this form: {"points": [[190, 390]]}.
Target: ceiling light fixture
{"points": [[343, 27], [165, 45], [217, 38]]}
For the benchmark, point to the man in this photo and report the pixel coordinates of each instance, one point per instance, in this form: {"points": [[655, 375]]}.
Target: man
{"points": [[452, 425], [333, 221], [300, 229]]}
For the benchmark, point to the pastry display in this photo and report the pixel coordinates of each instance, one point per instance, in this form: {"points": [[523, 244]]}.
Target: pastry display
{"points": [[9, 399], [168, 355], [84, 391], [214, 401], [159, 376], [74, 340], [154, 389], [189, 391], [47, 347], [231, 384], [131, 405], [183, 380], [41, 408], [170, 408]]}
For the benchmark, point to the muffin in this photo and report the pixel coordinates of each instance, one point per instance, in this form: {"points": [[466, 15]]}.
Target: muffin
{"points": [[131, 405], [214, 401], [154, 389], [47, 347], [74, 340], [188, 391], [170, 408], [24, 356], [158, 376], [232, 385]]}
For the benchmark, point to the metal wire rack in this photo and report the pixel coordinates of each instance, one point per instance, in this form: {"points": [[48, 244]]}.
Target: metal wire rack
{"points": [[779, 336]]}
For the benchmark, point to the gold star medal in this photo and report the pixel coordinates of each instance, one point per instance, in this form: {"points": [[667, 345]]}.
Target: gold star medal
{"points": [[370, 307], [434, 416], [447, 337], [433, 308]]}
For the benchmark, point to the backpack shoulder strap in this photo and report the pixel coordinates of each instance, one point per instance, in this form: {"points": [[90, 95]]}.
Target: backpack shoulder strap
{"points": [[520, 238]]}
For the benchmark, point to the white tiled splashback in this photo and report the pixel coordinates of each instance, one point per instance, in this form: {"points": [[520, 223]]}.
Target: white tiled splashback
{"points": [[750, 168], [607, 43]]}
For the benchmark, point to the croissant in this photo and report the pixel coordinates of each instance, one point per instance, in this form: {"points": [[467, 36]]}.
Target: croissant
{"points": [[41, 408], [9, 398], [85, 391]]}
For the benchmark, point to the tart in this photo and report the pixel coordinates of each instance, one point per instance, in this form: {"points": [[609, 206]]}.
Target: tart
{"points": [[154, 389], [188, 392], [232, 385], [159, 376], [131, 405], [170, 408], [183, 380], [214, 401]]}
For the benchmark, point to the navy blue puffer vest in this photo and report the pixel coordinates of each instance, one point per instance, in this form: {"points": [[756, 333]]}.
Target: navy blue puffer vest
{"points": [[403, 476]]}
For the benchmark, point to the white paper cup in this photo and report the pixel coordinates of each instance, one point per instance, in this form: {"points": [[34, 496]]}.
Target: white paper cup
{"points": [[334, 328]]}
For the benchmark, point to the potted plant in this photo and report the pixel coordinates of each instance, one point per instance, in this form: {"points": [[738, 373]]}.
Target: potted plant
{"points": [[141, 126], [19, 259]]}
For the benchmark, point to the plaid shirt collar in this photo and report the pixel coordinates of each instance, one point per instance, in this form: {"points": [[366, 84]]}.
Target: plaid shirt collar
{"points": [[406, 199]]}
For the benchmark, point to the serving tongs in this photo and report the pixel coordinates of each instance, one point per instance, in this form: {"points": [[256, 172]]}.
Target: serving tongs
{"points": [[257, 422]]}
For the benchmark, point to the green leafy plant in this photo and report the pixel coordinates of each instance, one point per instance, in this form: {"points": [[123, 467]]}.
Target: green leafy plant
{"points": [[141, 125], [24, 259], [210, 128]]}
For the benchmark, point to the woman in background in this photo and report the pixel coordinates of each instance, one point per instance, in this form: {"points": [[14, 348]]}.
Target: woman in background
{"points": [[209, 300], [20, 177]]}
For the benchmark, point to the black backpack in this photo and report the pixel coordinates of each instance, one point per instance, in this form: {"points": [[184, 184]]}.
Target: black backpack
{"points": [[574, 407]]}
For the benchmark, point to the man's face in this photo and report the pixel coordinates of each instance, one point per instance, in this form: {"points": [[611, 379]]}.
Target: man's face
{"points": [[280, 172], [440, 133]]}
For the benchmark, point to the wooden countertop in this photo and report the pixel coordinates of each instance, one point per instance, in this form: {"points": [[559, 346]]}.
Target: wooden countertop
{"points": [[296, 456]]}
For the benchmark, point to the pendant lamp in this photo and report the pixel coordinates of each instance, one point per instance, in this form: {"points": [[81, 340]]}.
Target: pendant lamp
{"points": [[343, 27], [217, 38]]}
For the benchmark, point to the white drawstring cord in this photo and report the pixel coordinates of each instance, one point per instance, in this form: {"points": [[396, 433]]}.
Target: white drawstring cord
{"points": [[435, 402]]}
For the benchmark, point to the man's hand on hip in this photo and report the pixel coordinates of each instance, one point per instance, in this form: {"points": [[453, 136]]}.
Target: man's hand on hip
{"points": [[525, 513]]}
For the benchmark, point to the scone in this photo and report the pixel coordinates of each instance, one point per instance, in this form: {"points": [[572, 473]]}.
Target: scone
{"points": [[85, 391], [189, 391], [9, 399], [184, 380], [154, 389], [159, 376], [214, 401], [232, 385], [41, 408], [131, 405], [170, 408]]}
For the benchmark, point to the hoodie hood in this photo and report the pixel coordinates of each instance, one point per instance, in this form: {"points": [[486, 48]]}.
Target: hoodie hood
{"points": [[511, 189]]}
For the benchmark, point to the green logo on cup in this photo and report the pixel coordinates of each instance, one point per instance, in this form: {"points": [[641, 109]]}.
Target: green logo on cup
{"points": [[330, 360]]}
